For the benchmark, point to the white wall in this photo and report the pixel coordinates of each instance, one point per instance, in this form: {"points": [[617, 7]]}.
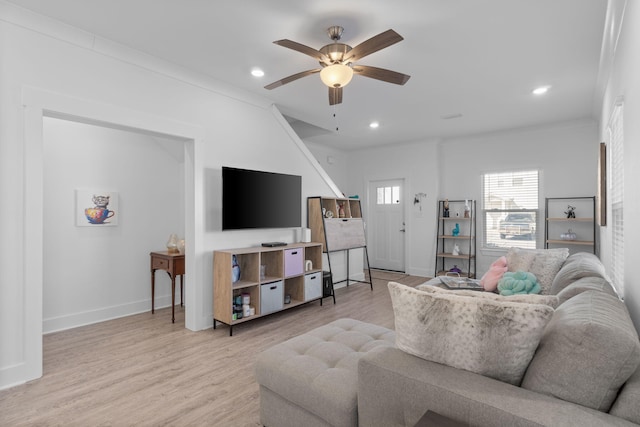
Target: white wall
{"points": [[99, 272], [48, 66], [620, 68], [334, 161], [417, 164], [565, 153]]}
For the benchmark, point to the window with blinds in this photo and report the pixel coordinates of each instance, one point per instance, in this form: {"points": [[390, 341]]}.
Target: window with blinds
{"points": [[616, 194], [510, 209]]}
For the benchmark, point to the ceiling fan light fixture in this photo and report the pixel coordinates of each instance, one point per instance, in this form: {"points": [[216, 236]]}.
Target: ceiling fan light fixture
{"points": [[337, 75]]}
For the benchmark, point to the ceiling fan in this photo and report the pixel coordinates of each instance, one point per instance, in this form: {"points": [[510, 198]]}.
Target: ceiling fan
{"points": [[337, 62]]}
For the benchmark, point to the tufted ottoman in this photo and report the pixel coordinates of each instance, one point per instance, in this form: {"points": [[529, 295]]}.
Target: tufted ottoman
{"points": [[312, 379]]}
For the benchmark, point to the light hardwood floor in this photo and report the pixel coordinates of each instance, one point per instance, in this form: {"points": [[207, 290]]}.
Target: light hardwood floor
{"points": [[143, 370]]}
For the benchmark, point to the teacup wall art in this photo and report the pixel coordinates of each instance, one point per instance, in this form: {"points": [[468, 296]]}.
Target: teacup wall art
{"points": [[96, 208]]}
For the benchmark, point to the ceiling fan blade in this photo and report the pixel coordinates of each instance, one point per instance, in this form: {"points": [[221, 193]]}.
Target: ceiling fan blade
{"points": [[315, 54], [381, 74], [335, 95], [374, 44], [291, 78]]}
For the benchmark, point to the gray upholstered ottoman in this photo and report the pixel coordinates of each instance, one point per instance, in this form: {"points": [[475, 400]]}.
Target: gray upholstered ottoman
{"points": [[311, 380]]}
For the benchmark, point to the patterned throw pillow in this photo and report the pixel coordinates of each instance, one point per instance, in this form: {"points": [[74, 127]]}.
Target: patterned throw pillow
{"points": [[491, 337], [543, 263]]}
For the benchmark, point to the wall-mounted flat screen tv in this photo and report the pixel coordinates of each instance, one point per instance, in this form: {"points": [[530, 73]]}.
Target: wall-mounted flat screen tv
{"points": [[256, 199]]}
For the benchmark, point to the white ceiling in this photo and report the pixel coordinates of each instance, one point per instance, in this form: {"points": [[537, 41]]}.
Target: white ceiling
{"points": [[478, 58]]}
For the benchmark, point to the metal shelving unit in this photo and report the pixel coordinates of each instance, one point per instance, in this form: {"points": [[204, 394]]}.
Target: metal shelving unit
{"points": [[582, 225], [466, 239]]}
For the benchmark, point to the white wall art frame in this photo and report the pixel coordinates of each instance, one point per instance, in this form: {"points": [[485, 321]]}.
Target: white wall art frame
{"points": [[97, 208]]}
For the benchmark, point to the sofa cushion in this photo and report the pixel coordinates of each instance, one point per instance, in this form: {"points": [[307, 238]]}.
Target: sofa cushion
{"points": [[589, 349], [627, 403], [577, 266], [550, 300], [487, 336], [586, 284], [542, 263]]}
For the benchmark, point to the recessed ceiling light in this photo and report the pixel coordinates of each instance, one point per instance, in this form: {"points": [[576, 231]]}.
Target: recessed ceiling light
{"points": [[257, 72], [374, 125], [541, 90]]}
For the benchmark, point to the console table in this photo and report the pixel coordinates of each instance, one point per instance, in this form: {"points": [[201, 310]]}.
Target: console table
{"points": [[173, 264]]}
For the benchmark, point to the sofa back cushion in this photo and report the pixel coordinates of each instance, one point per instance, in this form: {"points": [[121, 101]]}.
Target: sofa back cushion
{"points": [[577, 266], [588, 350], [490, 337], [586, 284]]}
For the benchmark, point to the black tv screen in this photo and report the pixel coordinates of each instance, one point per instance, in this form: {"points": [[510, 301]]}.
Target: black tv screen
{"points": [[256, 199]]}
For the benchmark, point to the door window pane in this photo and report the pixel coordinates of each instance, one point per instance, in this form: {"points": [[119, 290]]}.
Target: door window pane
{"points": [[388, 195]]}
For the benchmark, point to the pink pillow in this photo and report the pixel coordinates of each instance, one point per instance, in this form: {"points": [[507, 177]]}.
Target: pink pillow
{"points": [[490, 279]]}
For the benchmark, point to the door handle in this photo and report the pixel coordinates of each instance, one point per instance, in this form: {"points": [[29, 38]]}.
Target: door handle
{"points": [[403, 230]]}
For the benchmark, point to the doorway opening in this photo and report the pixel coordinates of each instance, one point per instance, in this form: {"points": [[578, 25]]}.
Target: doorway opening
{"points": [[39, 104], [96, 271]]}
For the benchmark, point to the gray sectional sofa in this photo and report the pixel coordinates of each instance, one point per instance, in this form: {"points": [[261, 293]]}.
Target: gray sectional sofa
{"points": [[585, 371]]}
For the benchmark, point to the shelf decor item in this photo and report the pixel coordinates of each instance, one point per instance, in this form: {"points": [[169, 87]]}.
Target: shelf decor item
{"points": [[172, 244], [235, 269], [571, 211], [456, 231], [341, 213], [569, 235]]}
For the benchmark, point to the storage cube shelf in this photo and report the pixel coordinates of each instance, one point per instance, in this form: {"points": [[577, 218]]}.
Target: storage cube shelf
{"points": [[284, 274]]}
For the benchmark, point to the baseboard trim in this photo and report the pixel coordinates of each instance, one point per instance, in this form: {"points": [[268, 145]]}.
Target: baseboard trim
{"points": [[12, 376], [74, 320]]}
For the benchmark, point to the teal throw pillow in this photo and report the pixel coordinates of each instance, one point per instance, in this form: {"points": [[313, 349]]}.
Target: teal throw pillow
{"points": [[518, 282]]}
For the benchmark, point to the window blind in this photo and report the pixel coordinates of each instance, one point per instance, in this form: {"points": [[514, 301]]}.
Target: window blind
{"points": [[510, 209], [616, 192]]}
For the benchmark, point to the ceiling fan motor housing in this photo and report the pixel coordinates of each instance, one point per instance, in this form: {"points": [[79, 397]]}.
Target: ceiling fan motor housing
{"points": [[335, 52]]}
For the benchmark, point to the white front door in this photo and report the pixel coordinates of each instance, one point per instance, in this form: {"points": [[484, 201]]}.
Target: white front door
{"points": [[386, 225]]}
